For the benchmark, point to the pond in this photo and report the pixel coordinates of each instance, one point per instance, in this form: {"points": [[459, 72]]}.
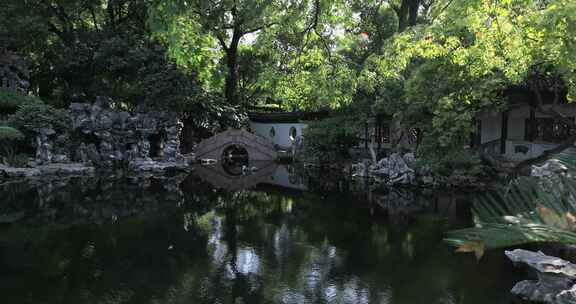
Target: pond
{"points": [[268, 236]]}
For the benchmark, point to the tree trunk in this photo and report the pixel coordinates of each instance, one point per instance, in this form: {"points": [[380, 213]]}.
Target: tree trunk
{"points": [[111, 13], [232, 78], [403, 16], [413, 12], [407, 14], [231, 89]]}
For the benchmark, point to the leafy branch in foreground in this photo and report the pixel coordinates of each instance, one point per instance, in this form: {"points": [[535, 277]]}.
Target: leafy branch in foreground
{"points": [[530, 210]]}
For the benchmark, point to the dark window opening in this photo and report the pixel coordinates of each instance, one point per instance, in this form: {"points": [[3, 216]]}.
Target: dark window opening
{"points": [[157, 144], [272, 132], [293, 133], [546, 129]]}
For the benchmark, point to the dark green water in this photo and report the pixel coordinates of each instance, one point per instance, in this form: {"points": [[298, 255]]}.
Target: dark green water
{"points": [[147, 240]]}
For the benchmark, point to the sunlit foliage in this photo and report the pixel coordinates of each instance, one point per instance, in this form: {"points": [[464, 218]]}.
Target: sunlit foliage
{"points": [[461, 62]]}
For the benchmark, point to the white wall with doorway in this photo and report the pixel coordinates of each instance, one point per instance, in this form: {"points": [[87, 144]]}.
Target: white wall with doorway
{"points": [[517, 145], [281, 134]]}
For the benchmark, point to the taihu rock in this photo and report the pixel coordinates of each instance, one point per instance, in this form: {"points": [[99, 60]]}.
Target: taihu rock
{"points": [[113, 135], [556, 282], [395, 168], [43, 146]]}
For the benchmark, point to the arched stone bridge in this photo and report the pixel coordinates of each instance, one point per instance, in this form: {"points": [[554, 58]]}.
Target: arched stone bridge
{"points": [[258, 148]]}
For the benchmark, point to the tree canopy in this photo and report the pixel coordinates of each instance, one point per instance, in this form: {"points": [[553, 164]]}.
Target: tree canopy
{"points": [[432, 64], [81, 49], [461, 61]]}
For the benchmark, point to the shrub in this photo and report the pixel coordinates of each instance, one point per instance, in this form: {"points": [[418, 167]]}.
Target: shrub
{"points": [[10, 101], [451, 162], [31, 117], [9, 138], [18, 160], [10, 134], [331, 138]]}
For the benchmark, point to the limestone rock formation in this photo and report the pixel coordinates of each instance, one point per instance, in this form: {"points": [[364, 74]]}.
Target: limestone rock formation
{"points": [[556, 278], [549, 168], [43, 146], [395, 168], [106, 137], [146, 141]]}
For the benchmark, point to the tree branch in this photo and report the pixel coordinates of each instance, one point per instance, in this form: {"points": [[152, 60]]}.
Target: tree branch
{"points": [[222, 42], [259, 28], [52, 28], [442, 10], [312, 26], [94, 18]]}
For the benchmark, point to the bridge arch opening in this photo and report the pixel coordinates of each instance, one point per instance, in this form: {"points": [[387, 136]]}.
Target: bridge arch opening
{"points": [[234, 157]]}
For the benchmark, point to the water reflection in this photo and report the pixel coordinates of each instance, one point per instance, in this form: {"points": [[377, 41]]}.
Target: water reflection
{"points": [[242, 176], [190, 240]]}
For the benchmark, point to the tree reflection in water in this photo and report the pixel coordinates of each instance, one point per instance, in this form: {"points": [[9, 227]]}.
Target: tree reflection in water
{"points": [[149, 241]]}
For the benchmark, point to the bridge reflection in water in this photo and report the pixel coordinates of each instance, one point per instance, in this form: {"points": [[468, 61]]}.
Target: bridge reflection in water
{"points": [[250, 175], [400, 204]]}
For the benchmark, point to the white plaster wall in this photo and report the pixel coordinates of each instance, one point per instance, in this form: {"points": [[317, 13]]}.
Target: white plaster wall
{"points": [[517, 123], [282, 130], [534, 149], [281, 177], [491, 127], [492, 122]]}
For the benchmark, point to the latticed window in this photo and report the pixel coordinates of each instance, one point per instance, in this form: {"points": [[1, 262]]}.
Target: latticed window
{"points": [[546, 129]]}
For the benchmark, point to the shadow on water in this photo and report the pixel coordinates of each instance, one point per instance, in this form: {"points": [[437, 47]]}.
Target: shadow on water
{"points": [[271, 234]]}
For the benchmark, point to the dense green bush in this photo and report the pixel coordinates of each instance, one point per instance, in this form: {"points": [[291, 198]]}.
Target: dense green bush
{"points": [[31, 117], [10, 134], [450, 162], [330, 139], [28, 114], [9, 138], [10, 101]]}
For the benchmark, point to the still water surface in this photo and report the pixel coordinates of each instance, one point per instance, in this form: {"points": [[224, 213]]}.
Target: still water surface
{"points": [[289, 238]]}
